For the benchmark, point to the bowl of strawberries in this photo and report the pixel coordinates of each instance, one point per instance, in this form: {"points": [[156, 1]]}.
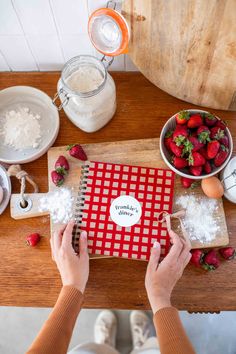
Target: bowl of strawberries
{"points": [[196, 144]]}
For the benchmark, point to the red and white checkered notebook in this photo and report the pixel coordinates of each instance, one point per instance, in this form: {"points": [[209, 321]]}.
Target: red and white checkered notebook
{"points": [[118, 206]]}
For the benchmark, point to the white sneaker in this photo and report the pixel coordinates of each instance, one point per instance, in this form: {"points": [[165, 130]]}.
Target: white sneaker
{"points": [[105, 328], [140, 328]]}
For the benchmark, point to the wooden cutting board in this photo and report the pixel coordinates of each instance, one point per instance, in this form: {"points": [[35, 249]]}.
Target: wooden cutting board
{"points": [[186, 47], [143, 152]]}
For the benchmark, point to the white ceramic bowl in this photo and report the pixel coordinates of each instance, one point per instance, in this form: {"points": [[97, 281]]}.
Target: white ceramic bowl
{"points": [[166, 155], [39, 103], [5, 183]]}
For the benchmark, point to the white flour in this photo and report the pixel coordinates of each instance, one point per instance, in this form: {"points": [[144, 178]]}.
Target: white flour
{"points": [[199, 220], [59, 204], [85, 79], [21, 129]]}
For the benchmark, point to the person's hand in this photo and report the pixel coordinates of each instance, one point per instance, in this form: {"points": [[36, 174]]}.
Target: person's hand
{"points": [[73, 268], [161, 279]]}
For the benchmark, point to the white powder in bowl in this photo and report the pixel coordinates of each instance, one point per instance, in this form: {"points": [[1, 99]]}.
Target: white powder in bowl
{"points": [[59, 204], [21, 129], [200, 221]]}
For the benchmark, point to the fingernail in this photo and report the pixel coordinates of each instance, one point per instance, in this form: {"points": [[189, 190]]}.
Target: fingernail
{"points": [[83, 234], [156, 244]]}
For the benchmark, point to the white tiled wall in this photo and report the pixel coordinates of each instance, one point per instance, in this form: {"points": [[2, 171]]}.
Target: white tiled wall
{"points": [[43, 34]]}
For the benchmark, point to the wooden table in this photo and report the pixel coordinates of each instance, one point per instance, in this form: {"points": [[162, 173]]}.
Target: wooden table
{"points": [[28, 277]]}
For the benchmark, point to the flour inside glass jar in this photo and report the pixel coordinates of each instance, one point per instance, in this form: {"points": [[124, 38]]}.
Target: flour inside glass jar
{"points": [[85, 79], [91, 101]]}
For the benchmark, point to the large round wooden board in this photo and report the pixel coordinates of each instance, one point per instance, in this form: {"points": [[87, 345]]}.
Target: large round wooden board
{"points": [[186, 47]]}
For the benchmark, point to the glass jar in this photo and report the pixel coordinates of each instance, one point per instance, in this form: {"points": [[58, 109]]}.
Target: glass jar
{"points": [[87, 93]]}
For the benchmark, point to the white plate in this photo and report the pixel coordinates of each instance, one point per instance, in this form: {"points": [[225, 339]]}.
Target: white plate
{"points": [[39, 103], [230, 193], [5, 183]]}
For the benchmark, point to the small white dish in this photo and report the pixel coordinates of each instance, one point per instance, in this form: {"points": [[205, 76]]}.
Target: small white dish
{"points": [[5, 183], [12, 98], [228, 177]]}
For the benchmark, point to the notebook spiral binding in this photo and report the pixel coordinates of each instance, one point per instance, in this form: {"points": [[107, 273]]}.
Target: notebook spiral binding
{"points": [[79, 205]]}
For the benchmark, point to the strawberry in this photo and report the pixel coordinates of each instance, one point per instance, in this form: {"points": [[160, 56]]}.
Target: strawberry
{"points": [[195, 170], [227, 252], [33, 239], [188, 182], [179, 162], [77, 151], [195, 121], [210, 120], [62, 165], [182, 117], [212, 148], [221, 156], [203, 133], [196, 159], [203, 152], [207, 167], [196, 143], [221, 124], [197, 257], [180, 134], [217, 133], [211, 261], [224, 141], [177, 150], [57, 178], [168, 139]]}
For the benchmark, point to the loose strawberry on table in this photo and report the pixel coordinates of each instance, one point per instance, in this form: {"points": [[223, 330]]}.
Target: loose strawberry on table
{"points": [[227, 252], [77, 151], [211, 260], [57, 178], [197, 257], [62, 165], [188, 182], [33, 239]]}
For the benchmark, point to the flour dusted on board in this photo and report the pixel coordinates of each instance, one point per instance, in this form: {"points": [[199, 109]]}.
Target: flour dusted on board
{"points": [[59, 204], [21, 129], [200, 220]]}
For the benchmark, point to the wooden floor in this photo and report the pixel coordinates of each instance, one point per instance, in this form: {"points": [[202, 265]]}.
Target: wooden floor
{"points": [[28, 277]]}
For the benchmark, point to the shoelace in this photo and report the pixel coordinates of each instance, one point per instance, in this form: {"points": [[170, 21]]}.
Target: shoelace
{"points": [[105, 331], [141, 335]]}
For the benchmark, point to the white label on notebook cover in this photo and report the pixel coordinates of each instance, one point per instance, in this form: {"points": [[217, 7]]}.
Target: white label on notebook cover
{"points": [[125, 211]]}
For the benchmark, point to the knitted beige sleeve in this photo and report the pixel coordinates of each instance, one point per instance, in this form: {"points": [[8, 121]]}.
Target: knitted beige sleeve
{"points": [[170, 332], [55, 334]]}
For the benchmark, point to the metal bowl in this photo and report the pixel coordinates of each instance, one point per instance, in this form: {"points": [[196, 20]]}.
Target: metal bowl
{"points": [[166, 155]]}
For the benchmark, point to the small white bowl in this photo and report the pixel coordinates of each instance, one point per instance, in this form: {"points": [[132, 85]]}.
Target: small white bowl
{"points": [[166, 155], [5, 183], [39, 103]]}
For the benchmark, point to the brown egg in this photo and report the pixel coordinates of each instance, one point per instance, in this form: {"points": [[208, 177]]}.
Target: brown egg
{"points": [[212, 187], [1, 194]]}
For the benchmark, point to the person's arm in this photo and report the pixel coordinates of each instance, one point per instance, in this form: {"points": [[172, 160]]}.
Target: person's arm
{"points": [[55, 335], [160, 281]]}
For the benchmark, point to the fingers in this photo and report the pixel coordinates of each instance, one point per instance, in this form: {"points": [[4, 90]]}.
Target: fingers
{"points": [[57, 237], [67, 235], [83, 244], [176, 248], [154, 257]]}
